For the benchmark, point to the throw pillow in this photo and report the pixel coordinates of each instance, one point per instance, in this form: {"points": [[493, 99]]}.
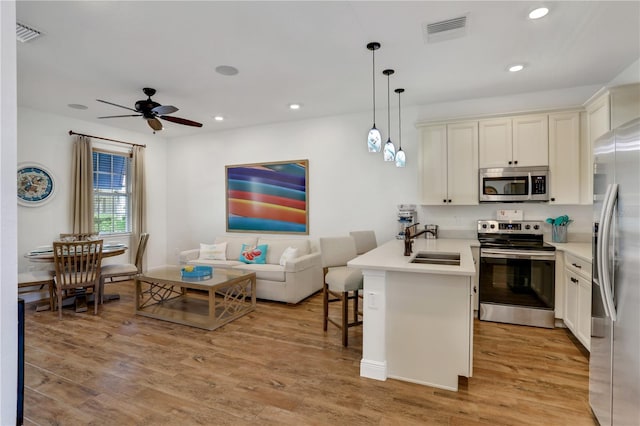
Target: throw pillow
{"points": [[289, 254], [213, 251], [253, 254]]}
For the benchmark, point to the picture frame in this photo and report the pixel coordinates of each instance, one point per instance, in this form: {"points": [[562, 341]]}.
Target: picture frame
{"points": [[268, 197], [36, 184]]}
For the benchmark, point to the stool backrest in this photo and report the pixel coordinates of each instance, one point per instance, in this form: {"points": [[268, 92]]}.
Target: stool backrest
{"points": [[337, 251]]}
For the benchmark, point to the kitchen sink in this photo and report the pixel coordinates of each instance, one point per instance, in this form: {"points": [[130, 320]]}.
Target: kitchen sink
{"points": [[437, 258]]}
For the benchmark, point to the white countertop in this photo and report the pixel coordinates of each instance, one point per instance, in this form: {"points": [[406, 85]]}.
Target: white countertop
{"points": [[390, 257], [581, 250]]}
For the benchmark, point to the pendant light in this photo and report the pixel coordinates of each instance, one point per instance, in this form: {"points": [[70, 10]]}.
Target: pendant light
{"points": [[374, 140], [401, 158], [389, 152]]}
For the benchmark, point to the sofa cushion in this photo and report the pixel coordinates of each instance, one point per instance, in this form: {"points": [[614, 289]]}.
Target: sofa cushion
{"points": [[288, 255], [266, 271], [213, 251], [277, 246], [253, 254], [234, 244], [215, 263]]}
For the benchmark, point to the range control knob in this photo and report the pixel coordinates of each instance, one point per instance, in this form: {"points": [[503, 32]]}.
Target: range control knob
{"points": [[536, 227], [484, 226], [492, 226], [527, 227]]}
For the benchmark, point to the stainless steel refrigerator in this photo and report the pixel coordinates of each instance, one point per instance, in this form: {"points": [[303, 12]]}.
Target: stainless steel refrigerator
{"points": [[614, 364]]}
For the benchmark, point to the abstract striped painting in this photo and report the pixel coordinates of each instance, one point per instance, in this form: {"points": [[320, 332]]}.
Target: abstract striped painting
{"points": [[268, 197]]}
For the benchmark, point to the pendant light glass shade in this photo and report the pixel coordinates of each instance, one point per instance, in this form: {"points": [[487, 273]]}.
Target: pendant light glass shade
{"points": [[389, 152], [401, 158], [374, 139]]}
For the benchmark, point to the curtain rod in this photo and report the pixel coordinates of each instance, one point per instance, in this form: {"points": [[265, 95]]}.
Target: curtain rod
{"points": [[71, 132]]}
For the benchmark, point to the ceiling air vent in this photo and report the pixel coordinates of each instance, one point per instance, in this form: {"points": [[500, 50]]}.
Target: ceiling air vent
{"points": [[24, 33], [445, 30]]}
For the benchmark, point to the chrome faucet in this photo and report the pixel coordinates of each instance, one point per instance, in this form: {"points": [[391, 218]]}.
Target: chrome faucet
{"points": [[408, 238]]}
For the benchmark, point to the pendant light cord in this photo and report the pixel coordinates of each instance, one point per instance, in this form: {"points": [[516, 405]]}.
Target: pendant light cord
{"points": [[388, 108], [373, 78], [399, 124]]}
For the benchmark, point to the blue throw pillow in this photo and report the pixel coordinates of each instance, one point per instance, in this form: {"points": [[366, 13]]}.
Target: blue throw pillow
{"points": [[253, 254]]}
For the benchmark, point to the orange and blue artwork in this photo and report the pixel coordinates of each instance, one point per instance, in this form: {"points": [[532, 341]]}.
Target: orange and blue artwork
{"points": [[268, 197]]}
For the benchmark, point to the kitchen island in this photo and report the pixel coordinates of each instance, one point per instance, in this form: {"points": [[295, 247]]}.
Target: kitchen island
{"points": [[418, 317]]}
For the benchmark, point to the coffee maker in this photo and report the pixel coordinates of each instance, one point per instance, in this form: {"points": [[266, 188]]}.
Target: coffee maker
{"points": [[406, 217]]}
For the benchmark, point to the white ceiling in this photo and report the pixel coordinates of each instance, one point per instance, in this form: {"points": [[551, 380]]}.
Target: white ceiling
{"points": [[308, 52]]}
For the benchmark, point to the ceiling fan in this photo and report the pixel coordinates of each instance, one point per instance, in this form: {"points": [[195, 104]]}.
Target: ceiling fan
{"points": [[151, 111]]}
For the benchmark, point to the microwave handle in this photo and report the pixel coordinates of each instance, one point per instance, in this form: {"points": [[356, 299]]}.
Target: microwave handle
{"points": [[530, 187]]}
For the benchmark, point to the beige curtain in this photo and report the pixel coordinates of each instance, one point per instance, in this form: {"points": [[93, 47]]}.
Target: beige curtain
{"points": [[82, 163], [138, 197]]}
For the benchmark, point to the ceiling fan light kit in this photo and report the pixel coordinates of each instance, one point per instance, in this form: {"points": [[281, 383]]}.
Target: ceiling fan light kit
{"points": [[152, 111]]}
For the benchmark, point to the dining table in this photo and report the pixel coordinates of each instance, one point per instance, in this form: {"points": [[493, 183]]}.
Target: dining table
{"points": [[44, 254]]}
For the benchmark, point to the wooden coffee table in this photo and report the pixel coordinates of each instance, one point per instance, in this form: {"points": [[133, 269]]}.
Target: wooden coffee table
{"points": [[163, 294]]}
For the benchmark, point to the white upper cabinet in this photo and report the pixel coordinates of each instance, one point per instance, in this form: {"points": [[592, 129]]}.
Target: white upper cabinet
{"points": [[564, 158], [495, 143], [433, 171], [449, 172], [518, 141]]}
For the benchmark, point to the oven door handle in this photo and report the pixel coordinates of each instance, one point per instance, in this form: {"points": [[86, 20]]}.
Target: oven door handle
{"points": [[516, 254]]}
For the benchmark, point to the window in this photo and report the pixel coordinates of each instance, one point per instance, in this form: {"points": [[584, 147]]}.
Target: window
{"points": [[111, 192]]}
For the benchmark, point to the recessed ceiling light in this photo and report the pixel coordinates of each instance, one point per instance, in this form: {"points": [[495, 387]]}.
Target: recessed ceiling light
{"points": [[538, 13], [77, 106], [516, 68], [218, 118], [226, 70], [295, 106]]}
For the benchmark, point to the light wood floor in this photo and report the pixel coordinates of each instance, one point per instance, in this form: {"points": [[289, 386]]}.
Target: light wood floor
{"points": [[275, 366]]}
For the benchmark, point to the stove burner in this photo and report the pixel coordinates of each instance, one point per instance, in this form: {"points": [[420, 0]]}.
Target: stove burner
{"points": [[516, 235]]}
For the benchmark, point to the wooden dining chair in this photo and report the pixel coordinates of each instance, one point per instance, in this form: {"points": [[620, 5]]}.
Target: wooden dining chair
{"points": [[34, 281], [124, 269], [77, 265], [82, 236]]}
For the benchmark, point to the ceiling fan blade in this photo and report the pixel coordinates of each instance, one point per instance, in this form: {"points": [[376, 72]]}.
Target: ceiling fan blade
{"points": [[154, 123], [116, 116], [164, 109], [181, 121], [111, 103]]}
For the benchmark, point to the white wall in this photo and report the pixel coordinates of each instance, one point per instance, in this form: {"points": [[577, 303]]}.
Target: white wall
{"points": [[8, 237], [44, 138], [349, 188]]}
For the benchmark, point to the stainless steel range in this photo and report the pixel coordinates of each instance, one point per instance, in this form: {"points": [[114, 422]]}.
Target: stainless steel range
{"points": [[517, 273]]}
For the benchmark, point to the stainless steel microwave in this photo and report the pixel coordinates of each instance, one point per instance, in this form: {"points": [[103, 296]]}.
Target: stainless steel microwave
{"points": [[514, 184]]}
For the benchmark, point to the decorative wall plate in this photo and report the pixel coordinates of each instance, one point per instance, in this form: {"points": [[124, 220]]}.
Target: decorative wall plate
{"points": [[36, 185]]}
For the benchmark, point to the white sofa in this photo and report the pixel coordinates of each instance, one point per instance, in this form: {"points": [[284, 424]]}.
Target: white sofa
{"points": [[297, 279]]}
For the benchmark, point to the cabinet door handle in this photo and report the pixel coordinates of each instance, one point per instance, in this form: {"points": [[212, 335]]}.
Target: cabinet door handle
{"points": [[448, 201], [575, 265], [475, 290], [515, 162], [510, 162], [574, 280], [444, 201], [553, 199]]}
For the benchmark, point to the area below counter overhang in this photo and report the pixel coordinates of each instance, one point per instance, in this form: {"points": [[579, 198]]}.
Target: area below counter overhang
{"points": [[390, 257]]}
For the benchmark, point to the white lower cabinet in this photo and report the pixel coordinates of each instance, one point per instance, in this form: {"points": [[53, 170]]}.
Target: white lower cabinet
{"points": [[577, 298]]}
